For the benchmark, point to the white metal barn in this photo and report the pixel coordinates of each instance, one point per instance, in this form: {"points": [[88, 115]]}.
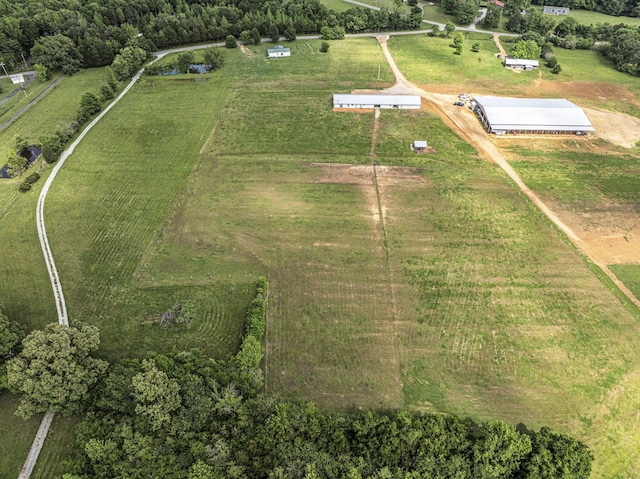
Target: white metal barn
{"points": [[372, 101], [555, 10], [531, 115], [279, 51], [521, 63]]}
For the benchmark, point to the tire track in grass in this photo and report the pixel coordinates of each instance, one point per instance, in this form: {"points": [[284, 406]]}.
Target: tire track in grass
{"points": [[61, 305]]}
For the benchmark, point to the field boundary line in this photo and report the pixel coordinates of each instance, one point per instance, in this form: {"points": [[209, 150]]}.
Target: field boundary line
{"points": [[31, 103]]}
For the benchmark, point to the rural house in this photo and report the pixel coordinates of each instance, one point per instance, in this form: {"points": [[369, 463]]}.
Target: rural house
{"points": [[521, 63], [380, 101], [555, 10]]}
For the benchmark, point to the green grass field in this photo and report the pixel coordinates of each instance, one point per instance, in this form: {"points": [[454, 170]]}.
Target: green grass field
{"points": [[429, 282], [588, 17]]}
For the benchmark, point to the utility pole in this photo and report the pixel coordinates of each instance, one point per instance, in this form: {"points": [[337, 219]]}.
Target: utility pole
{"points": [[25, 62], [5, 70]]}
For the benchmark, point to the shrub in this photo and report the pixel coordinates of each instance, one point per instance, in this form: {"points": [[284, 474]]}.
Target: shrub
{"points": [[24, 187], [324, 47], [556, 69], [32, 178], [552, 62], [230, 42]]}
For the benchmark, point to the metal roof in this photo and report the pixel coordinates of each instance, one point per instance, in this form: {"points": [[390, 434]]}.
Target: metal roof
{"points": [[419, 144], [522, 62], [278, 48], [374, 99], [533, 114]]}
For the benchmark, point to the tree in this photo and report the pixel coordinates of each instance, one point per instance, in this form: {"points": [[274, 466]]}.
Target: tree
{"points": [[245, 37], [55, 370], [255, 36], [230, 42], [290, 34], [324, 47], [111, 78], [451, 6], [556, 69], [526, 49], [185, 60], [435, 30], [476, 47], [552, 62], [493, 16], [458, 39], [42, 72], [499, 451], [273, 33], [52, 146], [467, 12], [449, 28], [89, 106], [127, 62], [106, 91], [11, 334], [213, 58], [156, 394], [58, 53]]}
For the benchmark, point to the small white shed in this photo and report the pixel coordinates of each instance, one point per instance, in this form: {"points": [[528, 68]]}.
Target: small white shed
{"points": [[279, 51], [419, 146]]}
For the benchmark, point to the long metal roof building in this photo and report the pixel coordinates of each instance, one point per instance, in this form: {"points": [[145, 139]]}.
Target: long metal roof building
{"points": [[376, 100], [530, 115]]}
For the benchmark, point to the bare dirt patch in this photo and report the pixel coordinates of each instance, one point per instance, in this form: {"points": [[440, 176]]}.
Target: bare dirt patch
{"points": [[612, 231], [618, 128], [246, 51]]}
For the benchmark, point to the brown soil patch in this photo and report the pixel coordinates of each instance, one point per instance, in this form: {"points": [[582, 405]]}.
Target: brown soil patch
{"points": [[618, 128], [612, 231], [246, 51]]}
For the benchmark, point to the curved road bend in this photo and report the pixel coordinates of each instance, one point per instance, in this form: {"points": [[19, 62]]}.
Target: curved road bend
{"points": [[468, 127]]}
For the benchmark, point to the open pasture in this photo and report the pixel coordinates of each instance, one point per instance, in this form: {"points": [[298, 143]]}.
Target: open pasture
{"points": [[430, 62], [428, 282]]}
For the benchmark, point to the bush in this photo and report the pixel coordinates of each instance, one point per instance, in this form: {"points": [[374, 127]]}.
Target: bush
{"points": [[476, 47], [32, 178], [556, 69], [24, 187], [230, 42], [324, 47], [552, 62]]}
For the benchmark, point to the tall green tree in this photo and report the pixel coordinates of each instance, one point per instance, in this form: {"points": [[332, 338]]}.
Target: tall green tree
{"points": [[55, 369], [156, 394], [57, 53]]}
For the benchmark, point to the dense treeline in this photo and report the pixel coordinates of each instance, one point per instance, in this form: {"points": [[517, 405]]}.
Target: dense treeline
{"points": [[187, 416], [91, 33]]}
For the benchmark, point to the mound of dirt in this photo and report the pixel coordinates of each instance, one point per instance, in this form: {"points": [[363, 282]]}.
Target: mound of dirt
{"points": [[618, 128]]}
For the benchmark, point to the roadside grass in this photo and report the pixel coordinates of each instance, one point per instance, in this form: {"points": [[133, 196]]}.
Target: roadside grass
{"points": [[56, 109], [629, 274], [436, 13], [17, 101], [337, 5], [17, 435], [57, 448]]}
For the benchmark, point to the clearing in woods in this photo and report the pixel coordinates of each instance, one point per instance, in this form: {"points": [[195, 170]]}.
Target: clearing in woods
{"points": [[427, 282]]}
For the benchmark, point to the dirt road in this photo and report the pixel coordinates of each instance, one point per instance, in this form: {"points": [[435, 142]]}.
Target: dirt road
{"points": [[465, 124]]}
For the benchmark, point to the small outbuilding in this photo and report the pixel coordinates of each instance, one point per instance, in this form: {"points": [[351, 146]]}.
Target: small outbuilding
{"points": [[419, 146], [498, 3], [555, 10], [521, 64], [370, 101], [279, 51]]}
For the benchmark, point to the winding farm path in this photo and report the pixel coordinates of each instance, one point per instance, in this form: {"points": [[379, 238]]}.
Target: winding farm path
{"points": [[58, 294], [464, 122]]}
